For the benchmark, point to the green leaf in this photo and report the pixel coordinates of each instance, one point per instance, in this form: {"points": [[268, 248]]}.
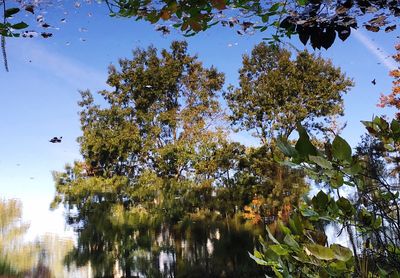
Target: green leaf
{"points": [[381, 122], [337, 180], [21, 25], [345, 206], [320, 201], [341, 150], [341, 253], [271, 237], [274, 7], [302, 2], [286, 148], [320, 252], [354, 169], [278, 249], [395, 126], [258, 255], [320, 161], [338, 266], [309, 213], [285, 230], [378, 223], [303, 145], [277, 273], [265, 18], [290, 241], [10, 12], [262, 262]]}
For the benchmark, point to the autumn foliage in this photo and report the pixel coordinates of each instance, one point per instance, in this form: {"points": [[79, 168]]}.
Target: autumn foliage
{"points": [[393, 99]]}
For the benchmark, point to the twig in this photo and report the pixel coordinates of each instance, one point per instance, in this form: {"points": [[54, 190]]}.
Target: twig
{"points": [[3, 39]]}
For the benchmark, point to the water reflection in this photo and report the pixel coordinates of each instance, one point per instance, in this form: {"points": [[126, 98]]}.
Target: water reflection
{"points": [[199, 246], [41, 258], [190, 249]]}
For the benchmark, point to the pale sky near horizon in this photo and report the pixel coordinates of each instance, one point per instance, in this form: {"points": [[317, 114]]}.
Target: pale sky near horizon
{"points": [[38, 97]]}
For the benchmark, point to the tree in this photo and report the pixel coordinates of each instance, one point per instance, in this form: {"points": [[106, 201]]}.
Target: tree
{"points": [[149, 155], [276, 93], [16, 256], [393, 99]]}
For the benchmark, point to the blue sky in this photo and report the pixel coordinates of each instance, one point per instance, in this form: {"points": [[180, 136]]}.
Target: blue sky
{"points": [[38, 97]]}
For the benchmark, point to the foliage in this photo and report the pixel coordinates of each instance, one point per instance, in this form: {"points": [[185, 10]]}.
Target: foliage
{"points": [[276, 92], [16, 256], [270, 190], [301, 251], [317, 21], [8, 29], [156, 134], [370, 216], [154, 156], [392, 99]]}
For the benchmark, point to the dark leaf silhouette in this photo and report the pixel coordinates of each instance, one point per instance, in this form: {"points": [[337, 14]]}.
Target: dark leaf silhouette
{"points": [[46, 35], [55, 140], [343, 32], [372, 28], [30, 8], [390, 28]]}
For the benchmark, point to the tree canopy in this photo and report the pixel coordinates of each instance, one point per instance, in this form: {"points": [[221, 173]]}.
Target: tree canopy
{"points": [[392, 99], [275, 92]]}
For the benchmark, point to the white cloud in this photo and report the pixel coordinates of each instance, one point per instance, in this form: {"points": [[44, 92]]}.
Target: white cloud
{"points": [[375, 49], [53, 63]]}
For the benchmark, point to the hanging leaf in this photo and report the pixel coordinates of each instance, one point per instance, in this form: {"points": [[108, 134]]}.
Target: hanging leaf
{"points": [[320, 161], [304, 34], [303, 145], [343, 32], [372, 28], [10, 12], [30, 8], [320, 201], [390, 28], [320, 252], [345, 206], [279, 250], [341, 253], [286, 148], [18, 26], [328, 38], [341, 150]]}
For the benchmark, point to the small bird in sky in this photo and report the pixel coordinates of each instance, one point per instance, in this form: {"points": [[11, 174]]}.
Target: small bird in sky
{"points": [[373, 82], [55, 140]]}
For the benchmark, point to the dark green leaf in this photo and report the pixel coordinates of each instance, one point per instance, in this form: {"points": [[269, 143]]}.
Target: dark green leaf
{"points": [[10, 12], [304, 145], [320, 161], [286, 148], [341, 150], [345, 206], [21, 25]]}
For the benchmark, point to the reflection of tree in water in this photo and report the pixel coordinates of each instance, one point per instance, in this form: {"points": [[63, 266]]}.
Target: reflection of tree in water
{"points": [[19, 258], [191, 249]]}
